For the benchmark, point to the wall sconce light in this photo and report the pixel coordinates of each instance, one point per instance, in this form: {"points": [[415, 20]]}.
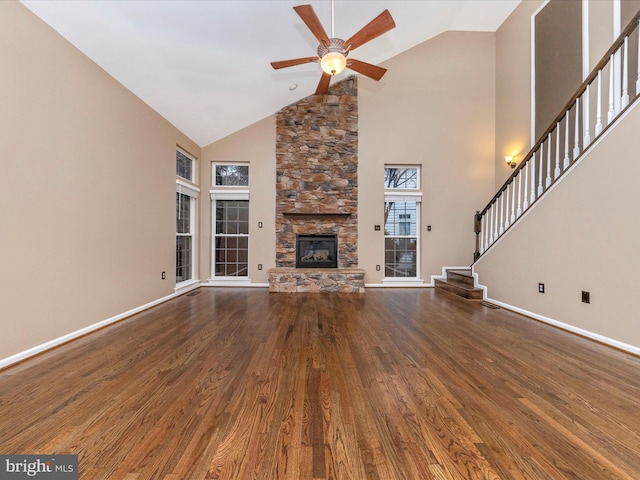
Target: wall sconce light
{"points": [[510, 161]]}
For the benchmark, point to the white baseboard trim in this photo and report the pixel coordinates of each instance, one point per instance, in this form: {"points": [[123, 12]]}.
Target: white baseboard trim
{"points": [[397, 285], [570, 328], [232, 283], [18, 357]]}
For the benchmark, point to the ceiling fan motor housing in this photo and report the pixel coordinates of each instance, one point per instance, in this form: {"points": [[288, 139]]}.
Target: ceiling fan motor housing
{"points": [[335, 45]]}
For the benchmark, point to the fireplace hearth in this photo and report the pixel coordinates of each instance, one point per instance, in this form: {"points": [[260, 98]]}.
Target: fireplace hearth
{"points": [[316, 251]]}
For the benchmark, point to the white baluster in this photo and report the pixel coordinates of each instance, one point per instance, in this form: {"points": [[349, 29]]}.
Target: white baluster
{"points": [[617, 93], [566, 161], [540, 167], [483, 224], [533, 177], [525, 204], [576, 136], [513, 201], [502, 213], [556, 171], [638, 80], [487, 221], [506, 207], [497, 220], [625, 73], [519, 211], [586, 120], [548, 179], [491, 222], [598, 128], [611, 112]]}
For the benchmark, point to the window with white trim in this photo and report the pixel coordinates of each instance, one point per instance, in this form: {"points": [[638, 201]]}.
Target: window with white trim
{"points": [[402, 199], [230, 207], [186, 195], [185, 165], [231, 175]]}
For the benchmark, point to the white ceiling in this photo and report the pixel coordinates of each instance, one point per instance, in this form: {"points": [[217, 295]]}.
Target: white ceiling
{"points": [[204, 64]]}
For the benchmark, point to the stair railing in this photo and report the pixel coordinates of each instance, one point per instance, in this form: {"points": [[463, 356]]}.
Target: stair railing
{"points": [[605, 92]]}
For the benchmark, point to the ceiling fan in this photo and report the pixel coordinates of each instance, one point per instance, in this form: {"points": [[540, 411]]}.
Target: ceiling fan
{"points": [[332, 52]]}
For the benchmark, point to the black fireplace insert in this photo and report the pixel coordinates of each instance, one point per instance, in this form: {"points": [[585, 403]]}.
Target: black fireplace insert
{"points": [[316, 251]]}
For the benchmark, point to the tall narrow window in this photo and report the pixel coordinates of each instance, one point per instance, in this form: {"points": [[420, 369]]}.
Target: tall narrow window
{"points": [[186, 195], [230, 198], [401, 222], [231, 253]]}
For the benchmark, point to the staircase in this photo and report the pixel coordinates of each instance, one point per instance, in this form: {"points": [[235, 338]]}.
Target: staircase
{"points": [[460, 282], [605, 94]]}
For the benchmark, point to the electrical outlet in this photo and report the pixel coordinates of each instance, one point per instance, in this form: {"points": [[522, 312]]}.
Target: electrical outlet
{"points": [[541, 287], [259, 266], [376, 228], [377, 268], [428, 228], [164, 275], [586, 297]]}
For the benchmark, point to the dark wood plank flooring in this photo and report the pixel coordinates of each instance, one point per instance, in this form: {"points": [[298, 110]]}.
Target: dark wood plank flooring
{"points": [[392, 384]]}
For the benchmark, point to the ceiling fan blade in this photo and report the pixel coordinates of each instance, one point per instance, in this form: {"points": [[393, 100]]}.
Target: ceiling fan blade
{"points": [[323, 85], [376, 27], [309, 17], [367, 69], [293, 62]]}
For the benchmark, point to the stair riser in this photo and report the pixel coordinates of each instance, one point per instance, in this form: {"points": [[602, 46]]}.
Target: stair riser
{"points": [[461, 291]]}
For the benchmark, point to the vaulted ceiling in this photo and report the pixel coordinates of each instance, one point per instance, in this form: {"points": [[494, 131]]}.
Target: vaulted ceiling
{"points": [[204, 64]]}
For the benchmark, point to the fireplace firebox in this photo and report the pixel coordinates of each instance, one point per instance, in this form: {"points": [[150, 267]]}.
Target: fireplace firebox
{"points": [[316, 251]]}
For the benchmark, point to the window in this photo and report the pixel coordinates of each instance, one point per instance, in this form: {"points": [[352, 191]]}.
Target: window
{"points": [[186, 195], [230, 206], [401, 214], [230, 175], [184, 165], [184, 238], [231, 255]]}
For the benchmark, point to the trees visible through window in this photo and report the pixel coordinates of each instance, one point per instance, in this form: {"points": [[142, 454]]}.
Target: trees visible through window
{"points": [[228, 175], [401, 215]]}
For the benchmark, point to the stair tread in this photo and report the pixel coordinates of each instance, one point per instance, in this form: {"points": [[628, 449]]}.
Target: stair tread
{"points": [[460, 276]]}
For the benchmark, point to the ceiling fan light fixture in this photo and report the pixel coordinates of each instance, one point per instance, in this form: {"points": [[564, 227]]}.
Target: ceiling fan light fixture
{"points": [[333, 63]]}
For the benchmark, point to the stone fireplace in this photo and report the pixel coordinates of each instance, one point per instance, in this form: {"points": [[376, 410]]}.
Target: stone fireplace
{"points": [[317, 190]]}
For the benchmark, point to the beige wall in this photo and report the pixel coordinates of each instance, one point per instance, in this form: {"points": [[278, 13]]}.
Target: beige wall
{"points": [[513, 88], [582, 236], [255, 145], [434, 108], [88, 196]]}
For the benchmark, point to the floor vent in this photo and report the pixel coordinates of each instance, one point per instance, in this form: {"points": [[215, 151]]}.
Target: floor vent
{"points": [[490, 305], [194, 293]]}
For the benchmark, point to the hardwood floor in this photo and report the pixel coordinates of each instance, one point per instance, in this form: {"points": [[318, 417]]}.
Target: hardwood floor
{"points": [[392, 384]]}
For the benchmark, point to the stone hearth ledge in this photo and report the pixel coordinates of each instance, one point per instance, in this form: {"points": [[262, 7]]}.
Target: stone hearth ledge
{"points": [[316, 280]]}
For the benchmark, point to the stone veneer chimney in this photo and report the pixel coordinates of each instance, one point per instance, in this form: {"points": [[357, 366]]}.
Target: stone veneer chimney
{"points": [[317, 172]]}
